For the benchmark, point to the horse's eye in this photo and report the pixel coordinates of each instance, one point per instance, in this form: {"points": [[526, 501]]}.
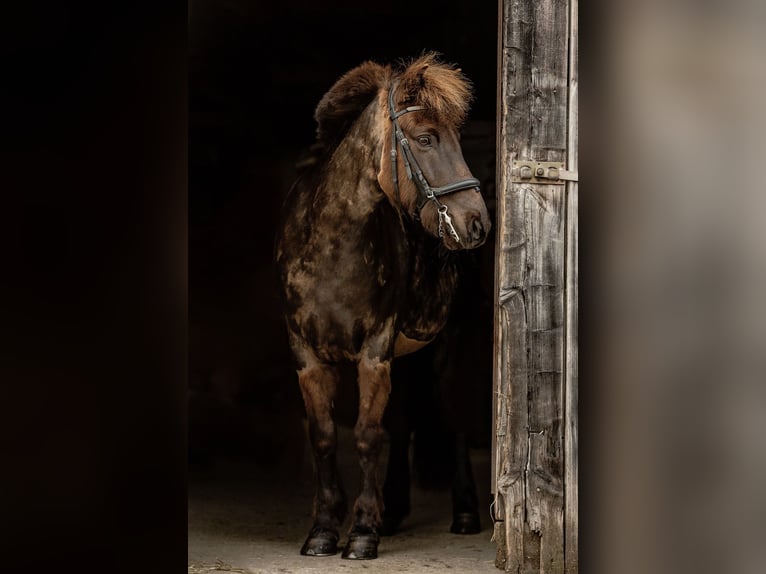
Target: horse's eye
{"points": [[424, 140]]}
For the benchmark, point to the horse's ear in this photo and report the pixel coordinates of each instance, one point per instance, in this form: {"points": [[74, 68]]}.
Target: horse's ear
{"points": [[343, 103], [414, 81]]}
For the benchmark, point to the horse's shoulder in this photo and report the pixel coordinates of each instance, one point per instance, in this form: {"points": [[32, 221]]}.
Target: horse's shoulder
{"points": [[350, 95]]}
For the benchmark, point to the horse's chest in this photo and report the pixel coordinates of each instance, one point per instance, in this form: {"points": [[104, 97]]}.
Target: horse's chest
{"points": [[427, 303]]}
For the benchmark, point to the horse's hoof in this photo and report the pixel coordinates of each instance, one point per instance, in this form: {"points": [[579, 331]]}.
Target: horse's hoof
{"points": [[361, 547], [320, 543], [465, 523]]}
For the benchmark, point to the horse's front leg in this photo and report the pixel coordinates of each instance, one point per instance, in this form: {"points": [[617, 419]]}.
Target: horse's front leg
{"points": [[318, 384], [374, 388]]}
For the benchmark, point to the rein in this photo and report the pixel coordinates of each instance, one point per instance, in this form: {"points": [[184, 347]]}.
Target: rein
{"points": [[425, 191]]}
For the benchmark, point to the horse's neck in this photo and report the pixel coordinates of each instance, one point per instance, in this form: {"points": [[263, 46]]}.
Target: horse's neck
{"points": [[427, 250], [349, 190], [429, 286]]}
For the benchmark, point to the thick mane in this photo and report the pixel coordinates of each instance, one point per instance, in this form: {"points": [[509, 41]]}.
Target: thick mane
{"points": [[426, 81], [343, 103], [439, 87]]}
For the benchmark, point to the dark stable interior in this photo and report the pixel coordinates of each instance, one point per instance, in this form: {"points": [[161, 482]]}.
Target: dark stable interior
{"points": [[256, 72]]}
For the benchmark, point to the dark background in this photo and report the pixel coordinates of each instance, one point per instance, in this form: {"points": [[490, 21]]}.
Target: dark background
{"points": [[256, 73]]}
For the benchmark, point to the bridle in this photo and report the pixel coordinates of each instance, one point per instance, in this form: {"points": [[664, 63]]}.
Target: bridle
{"points": [[425, 191]]}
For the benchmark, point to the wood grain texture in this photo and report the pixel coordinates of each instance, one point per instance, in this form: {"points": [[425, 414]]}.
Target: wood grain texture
{"points": [[497, 407], [571, 483], [535, 326]]}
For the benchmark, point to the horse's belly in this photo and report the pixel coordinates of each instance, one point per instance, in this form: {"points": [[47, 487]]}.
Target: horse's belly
{"points": [[403, 345]]}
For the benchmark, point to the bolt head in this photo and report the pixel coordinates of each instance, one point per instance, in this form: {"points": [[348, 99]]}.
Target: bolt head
{"points": [[525, 172]]}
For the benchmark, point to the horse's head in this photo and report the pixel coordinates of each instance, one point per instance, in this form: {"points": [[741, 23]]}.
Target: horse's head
{"points": [[422, 170]]}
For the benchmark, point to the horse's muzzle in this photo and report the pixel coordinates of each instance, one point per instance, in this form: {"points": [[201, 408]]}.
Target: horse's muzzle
{"points": [[473, 231]]}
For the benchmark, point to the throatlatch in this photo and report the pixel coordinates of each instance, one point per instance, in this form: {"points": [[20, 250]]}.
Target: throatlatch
{"points": [[425, 191]]}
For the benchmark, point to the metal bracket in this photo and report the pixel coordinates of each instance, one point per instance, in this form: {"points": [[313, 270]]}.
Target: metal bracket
{"points": [[544, 172]]}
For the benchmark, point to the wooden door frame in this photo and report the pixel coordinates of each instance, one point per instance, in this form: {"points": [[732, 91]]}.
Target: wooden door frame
{"points": [[535, 467]]}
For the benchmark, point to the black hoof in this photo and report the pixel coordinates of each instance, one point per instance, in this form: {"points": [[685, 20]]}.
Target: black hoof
{"points": [[465, 523], [361, 547], [320, 543]]}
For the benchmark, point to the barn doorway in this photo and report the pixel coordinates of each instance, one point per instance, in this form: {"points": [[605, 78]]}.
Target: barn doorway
{"points": [[257, 72]]}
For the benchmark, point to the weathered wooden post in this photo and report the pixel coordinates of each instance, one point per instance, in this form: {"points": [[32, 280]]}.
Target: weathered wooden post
{"points": [[535, 454]]}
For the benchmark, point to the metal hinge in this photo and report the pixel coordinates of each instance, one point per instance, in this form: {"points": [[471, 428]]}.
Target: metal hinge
{"points": [[546, 172]]}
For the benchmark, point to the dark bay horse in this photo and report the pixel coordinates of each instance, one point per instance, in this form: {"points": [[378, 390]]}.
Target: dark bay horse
{"points": [[363, 259]]}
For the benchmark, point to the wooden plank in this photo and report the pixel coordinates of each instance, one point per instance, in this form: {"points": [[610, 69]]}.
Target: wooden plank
{"points": [[510, 256], [545, 311], [499, 429], [531, 285], [571, 484], [501, 477], [512, 367]]}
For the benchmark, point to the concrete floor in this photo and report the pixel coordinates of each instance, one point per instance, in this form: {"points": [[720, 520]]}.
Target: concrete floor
{"points": [[245, 518]]}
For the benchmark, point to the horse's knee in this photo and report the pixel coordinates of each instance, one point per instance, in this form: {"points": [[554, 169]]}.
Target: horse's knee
{"points": [[369, 439], [323, 439], [324, 445]]}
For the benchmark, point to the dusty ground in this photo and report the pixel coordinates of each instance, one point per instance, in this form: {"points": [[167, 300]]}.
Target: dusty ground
{"points": [[244, 518]]}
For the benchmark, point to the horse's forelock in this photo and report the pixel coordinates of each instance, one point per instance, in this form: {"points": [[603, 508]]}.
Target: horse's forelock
{"points": [[439, 87]]}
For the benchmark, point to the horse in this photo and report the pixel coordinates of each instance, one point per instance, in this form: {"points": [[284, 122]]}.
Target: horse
{"points": [[363, 258]]}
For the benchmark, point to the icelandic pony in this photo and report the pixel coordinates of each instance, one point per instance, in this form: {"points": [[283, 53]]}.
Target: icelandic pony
{"points": [[363, 259]]}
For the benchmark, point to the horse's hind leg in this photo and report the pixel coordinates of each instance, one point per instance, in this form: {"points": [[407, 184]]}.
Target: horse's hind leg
{"points": [[374, 388], [318, 384], [465, 500], [396, 489]]}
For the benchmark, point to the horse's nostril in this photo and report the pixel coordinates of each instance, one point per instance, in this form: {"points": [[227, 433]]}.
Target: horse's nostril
{"points": [[476, 229]]}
